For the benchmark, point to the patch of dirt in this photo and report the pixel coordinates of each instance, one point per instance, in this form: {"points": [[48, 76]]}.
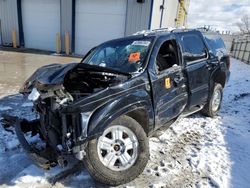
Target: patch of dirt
{"points": [[241, 96]]}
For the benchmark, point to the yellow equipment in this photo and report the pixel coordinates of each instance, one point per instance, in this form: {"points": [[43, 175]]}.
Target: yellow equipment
{"points": [[182, 13]]}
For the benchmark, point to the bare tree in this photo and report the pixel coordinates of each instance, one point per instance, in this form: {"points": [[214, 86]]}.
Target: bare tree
{"points": [[244, 24]]}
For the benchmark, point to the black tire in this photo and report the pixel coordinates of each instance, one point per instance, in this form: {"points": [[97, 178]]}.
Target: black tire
{"points": [[107, 176], [208, 108]]}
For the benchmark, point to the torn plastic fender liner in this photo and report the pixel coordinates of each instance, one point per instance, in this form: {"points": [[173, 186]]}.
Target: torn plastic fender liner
{"points": [[34, 155], [40, 161]]}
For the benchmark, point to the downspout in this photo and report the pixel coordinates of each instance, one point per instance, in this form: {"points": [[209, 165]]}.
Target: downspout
{"points": [[126, 20], [20, 22], [73, 25], [162, 11], [151, 14]]}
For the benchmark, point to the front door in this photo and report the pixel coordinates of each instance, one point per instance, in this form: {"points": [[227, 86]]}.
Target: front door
{"points": [[195, 58], [168, 83]]}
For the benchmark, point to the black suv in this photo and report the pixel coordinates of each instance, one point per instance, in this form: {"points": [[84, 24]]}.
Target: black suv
{"points": [[103, 109]]}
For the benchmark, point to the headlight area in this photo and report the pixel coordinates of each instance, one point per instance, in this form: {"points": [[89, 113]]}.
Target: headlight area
{"points": [[79, 150], [65, 132], [84, 124], [34, 95]]}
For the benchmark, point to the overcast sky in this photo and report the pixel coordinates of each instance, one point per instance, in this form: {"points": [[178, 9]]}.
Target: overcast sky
{"points": [[219, 14]]}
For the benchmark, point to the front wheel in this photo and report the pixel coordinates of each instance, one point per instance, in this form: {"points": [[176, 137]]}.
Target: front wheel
{"points": [[213, 105], [120, 154]]}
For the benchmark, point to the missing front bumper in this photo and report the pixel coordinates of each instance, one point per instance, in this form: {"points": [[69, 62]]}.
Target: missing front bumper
{"points": [[42, 158]]}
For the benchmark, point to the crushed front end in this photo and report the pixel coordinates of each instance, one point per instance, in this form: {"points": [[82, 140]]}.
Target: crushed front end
{"points": [[60, 131]]}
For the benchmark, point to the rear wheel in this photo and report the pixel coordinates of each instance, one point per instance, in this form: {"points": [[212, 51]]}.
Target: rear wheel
{"points": [[120, 154], [213, 106]]}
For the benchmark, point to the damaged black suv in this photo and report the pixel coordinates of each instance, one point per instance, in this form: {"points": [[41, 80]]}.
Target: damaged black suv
{"points": [[103, 109]]}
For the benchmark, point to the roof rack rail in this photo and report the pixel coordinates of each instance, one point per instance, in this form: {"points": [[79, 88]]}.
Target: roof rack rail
{"points": [[146, 32], [143, 32], [180, 29], [161, 29], [203, 29], [172, 30]]}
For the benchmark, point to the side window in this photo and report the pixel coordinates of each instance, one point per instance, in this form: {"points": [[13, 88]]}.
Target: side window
{"points": [[215, 42], [193, 48], [167, 55]]}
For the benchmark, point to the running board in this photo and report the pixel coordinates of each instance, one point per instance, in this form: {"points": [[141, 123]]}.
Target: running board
{"points": [[192, 111]]}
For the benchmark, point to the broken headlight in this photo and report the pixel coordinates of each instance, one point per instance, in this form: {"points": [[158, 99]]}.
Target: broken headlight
{"points": [[34, 95]]}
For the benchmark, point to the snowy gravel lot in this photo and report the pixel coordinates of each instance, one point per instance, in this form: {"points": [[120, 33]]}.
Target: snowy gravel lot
{"points": [[195, 152]]}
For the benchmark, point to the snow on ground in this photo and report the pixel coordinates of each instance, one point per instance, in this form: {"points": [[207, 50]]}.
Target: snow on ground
{"points": [[196, 151]]}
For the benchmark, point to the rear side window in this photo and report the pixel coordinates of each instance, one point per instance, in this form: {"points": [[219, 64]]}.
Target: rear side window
{"points": [[215, 42], [193, 48]]}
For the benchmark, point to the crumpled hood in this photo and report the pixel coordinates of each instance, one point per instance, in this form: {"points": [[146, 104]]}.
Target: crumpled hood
{"points": [[47, 76], [53, 75]]}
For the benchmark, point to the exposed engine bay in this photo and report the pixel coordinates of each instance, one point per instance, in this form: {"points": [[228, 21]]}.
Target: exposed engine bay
{"points": [[80, 83], [61, 132]]}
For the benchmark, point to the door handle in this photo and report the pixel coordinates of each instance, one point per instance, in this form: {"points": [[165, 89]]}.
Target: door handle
{"points": [[177, 80], [208, 66]]}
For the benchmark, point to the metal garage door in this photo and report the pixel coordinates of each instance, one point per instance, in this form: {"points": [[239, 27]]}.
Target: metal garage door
{"points": [[98, 21], [41, 22], [0, 34]]}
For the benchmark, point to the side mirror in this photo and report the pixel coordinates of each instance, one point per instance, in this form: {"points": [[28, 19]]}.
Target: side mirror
{"points": [[219, 55]]}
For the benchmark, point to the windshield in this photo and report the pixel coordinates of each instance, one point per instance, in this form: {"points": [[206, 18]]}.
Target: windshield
{"points": [[122, 55]]}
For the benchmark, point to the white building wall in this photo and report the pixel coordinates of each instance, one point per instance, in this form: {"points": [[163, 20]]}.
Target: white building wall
{"points": [[156, 14], [9, 21], [139, 16], [170, 13], [41, 22]]}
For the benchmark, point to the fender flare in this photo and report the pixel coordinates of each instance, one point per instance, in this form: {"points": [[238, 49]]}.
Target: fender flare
{"points": [[218, 76], [102, 118]]}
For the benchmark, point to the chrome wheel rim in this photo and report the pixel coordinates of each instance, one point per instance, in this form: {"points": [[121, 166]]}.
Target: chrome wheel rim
{"points": [[117, 148], [216, 100]]}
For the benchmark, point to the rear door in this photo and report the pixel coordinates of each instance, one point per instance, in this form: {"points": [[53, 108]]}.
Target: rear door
{"points": [[168, 88], [195, 57]]}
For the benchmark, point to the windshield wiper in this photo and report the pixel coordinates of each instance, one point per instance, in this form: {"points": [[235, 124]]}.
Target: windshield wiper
{"points": [[103, 69]]}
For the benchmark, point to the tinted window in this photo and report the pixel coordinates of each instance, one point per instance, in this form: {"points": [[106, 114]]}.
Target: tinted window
{"points": [[215, 42], [167, 55], [193, 48]]}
